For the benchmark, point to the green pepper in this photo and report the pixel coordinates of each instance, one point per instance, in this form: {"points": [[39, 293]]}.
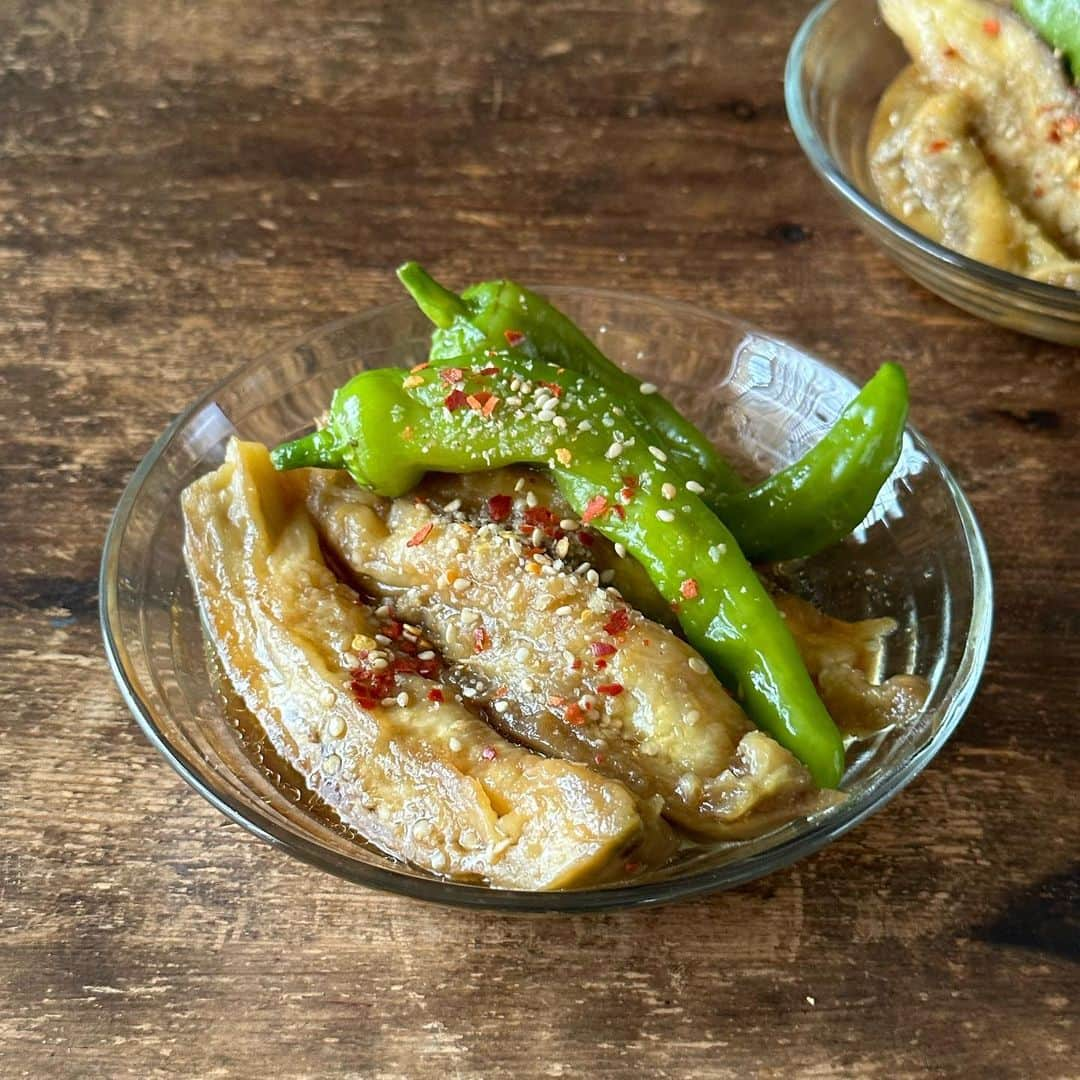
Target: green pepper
{"points": [[814, 503], [810, 506], [1058, 23], [388, 427]]}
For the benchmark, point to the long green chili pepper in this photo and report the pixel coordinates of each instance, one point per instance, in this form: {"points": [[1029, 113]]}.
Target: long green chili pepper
{"points": [[388, 427], [809, 506]]}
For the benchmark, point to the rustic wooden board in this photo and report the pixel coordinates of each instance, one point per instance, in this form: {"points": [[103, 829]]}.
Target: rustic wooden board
{"points": [[183, 185]]}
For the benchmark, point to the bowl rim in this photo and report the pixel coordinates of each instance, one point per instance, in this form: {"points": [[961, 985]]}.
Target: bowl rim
{"points": [[813, 835], [828, 168]]}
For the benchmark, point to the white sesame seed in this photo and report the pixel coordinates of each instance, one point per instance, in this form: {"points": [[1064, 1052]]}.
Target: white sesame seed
{"points": [[514, 591], [566, 609], [454, 743], [560, 423], [386, 702], [501, 706], [383, 610], [568, 525], [439, 859], [531, 499], [620, 550], [592, 577], [584, 425], [568, 656], [657, 453], [453, 506], [427, 654], [402, 699], [692, 717], [537, 537], [327, 697], [562, 548], [382, 639], [614, 450], [716, 551], [336, 727], [522, 653], [330, 764], [698, 665], [520, 485], [379, 664], [461, 585], [648, 388], [528, 685], [665, 515], [469, 691], [668, 491], [695, 487]]}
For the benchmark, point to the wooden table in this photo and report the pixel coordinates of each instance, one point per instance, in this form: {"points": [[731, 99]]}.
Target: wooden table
{"points": [[185, 184]]}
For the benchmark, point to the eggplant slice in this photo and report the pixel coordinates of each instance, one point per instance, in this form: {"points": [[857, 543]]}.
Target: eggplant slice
{"points": [[565, 667], [428, 782]]}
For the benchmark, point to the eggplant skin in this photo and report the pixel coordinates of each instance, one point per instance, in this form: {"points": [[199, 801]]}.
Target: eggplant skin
{"points": [[426, 782]]}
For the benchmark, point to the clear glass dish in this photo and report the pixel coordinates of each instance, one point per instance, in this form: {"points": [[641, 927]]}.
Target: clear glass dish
{"points": [[918, 557], [840, 63]]}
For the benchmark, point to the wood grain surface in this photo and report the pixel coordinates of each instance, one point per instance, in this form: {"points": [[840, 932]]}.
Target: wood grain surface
{"points": [[182, 185]]}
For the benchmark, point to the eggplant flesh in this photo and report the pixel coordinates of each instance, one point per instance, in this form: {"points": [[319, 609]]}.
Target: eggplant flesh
{"points": [[563, 666], [428, 782]]}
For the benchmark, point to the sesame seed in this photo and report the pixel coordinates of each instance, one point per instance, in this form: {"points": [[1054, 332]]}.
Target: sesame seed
{"points": [[568, 525], [692, 717], [568, 656], [402, 700], [620, 550], [380, 664], [461, 585], [562, 548], [537, 537], [522, 654], [330, 764], [327, 697], [439, 860], [716, 551], [695, 487], [452, 506], [469, 691], [648, 388], [501, 706], [427, 654], [520, 485], [566, 609], [528, 685], [383, 610], [668, 491], [336, 728], [698, 665], [514, 591], [657, 453], [454, 743], [592, 577], [531, 499], [560, 422], [665, 515], [614, 450], [382, 639]]}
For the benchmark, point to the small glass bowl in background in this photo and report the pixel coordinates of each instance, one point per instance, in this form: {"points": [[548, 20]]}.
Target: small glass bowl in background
{"points": [[918, 557], [841, 61]]}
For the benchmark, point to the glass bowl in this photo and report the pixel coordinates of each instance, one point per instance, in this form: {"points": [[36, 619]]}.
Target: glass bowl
{"points": [[918, 557], [840, 63]]}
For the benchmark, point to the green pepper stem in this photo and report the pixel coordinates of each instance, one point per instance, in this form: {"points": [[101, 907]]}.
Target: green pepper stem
{"points": [[438, 303], [317, 450]]}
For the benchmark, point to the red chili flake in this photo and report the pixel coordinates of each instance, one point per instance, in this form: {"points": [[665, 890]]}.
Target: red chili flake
{"points": [[576, 665], [689, 588], [554, 387], [596, 506], [513, 338], [452, 375], [499, 507], [619, 622], [938, 145], [621, 511], [489, 371], [601, 665], [543, 518], [369, 686], [574, 714], [599, 758], [585, 537], [992, 27], [556, 700], [1039, 192], [602, 648], [950, 53], [481, 641], [420, 535], [632, 867], [474, 402], [454, 400], [612, 689], [419, 367], [489, 406], [394, 629], [435, 694], [489, 753], [1070, 125], [1055, 133], [630, 486], [407, 433]]}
